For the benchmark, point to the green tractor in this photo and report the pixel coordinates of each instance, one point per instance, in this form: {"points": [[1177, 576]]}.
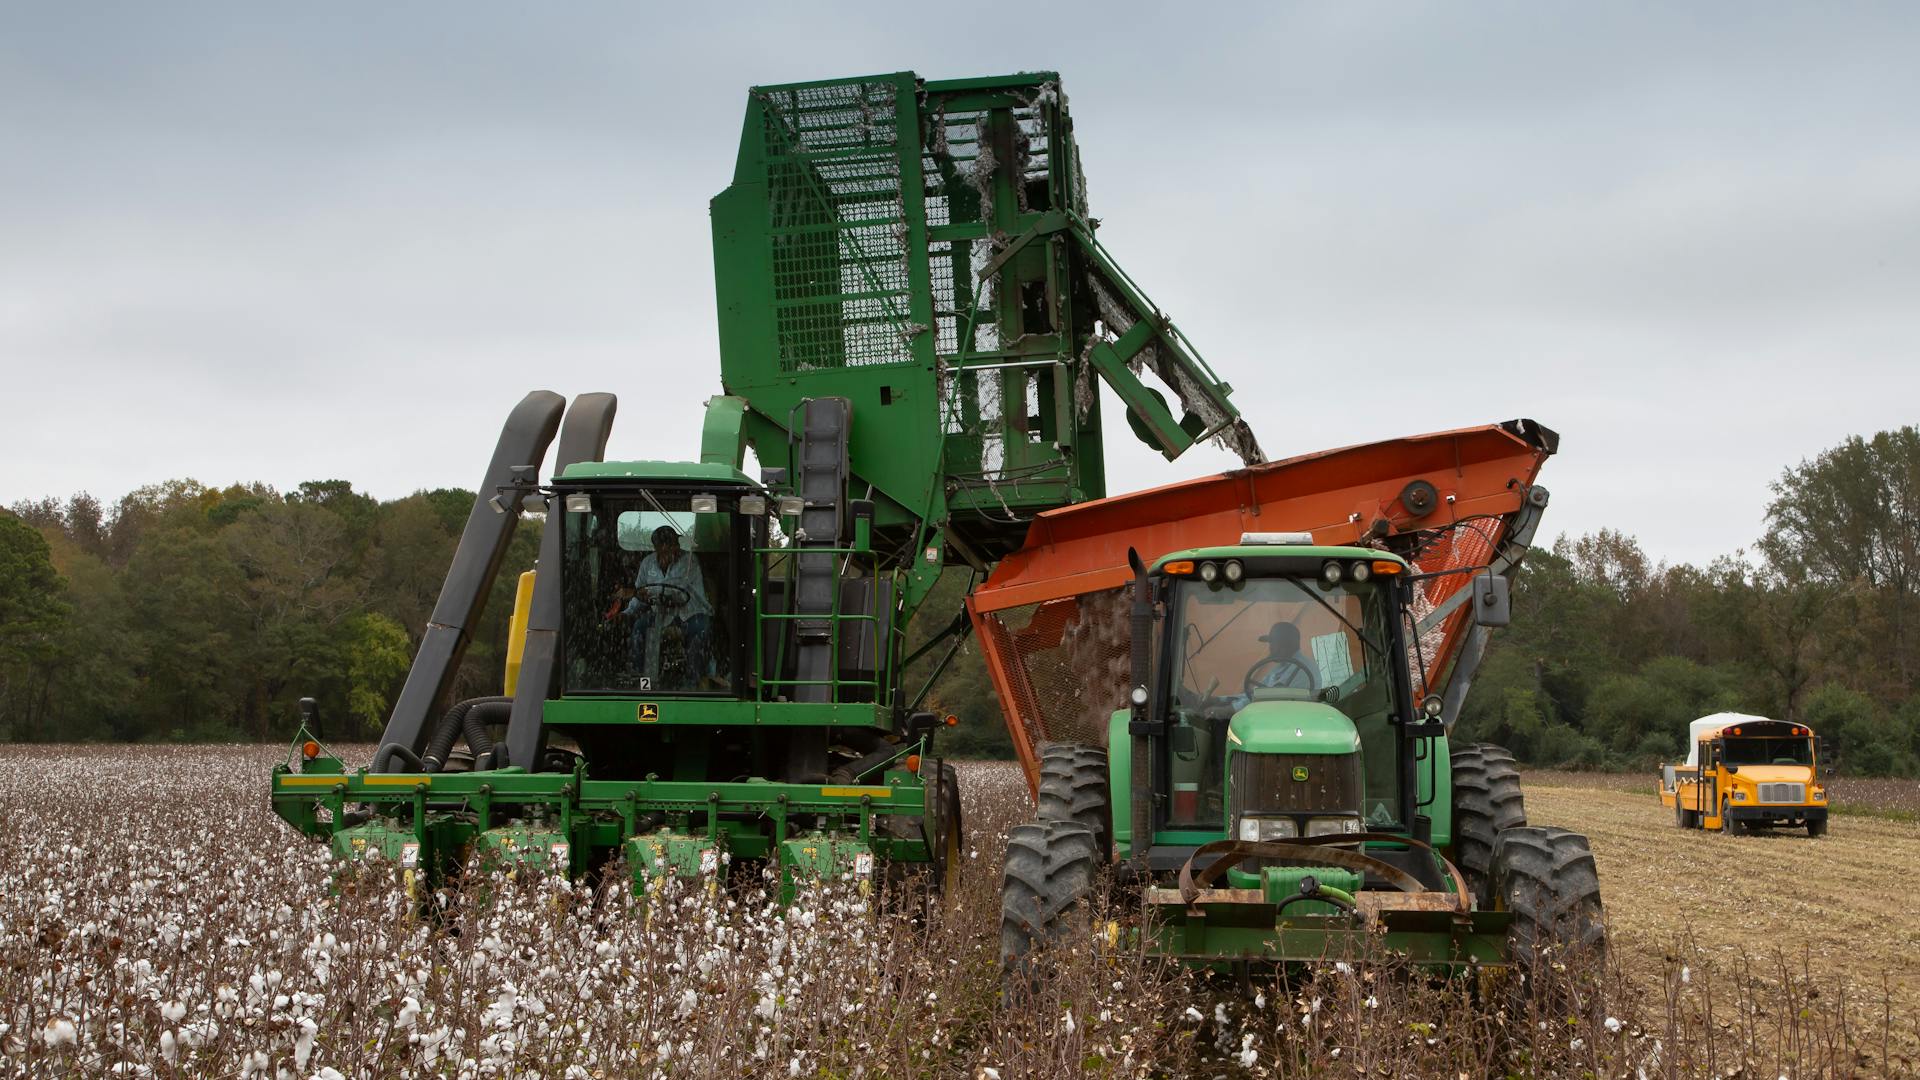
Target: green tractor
{"points": [[1278, 790]]}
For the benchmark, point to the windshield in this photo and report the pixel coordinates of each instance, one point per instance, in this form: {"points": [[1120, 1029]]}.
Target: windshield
{"points": [[1299, 638], [1789, 751], [651, 600], [1277, 639]]}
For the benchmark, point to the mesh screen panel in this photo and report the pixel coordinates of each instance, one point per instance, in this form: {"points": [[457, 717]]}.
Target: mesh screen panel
{"points": [[838, 226]]}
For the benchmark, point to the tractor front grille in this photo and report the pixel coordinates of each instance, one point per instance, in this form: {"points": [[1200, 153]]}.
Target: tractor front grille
{"points": [[1783, 793], [1269, 783]]}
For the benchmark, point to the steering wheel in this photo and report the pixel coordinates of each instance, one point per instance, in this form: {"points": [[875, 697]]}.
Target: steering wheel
{"points": [[1282, 675], [642, 590]]}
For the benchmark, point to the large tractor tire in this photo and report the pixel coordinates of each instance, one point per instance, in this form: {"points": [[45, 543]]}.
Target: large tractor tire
{"points": [[1075, 786], [1048, 882], [1486, 803], [944, 835], [1546, 877]]}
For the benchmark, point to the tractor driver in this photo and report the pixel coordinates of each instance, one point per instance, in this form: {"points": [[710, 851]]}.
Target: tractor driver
{"points": [[669, 591], [1283, 665]]}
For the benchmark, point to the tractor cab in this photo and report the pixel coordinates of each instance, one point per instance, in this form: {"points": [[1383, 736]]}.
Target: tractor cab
{"points": [[1280, 702], [657, 578], [692, 594]]}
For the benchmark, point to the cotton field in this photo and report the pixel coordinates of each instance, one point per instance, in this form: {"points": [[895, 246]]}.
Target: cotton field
{"points": [[157, 920]]}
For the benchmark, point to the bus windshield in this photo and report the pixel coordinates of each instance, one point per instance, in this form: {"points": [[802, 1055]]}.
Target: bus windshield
{"points": [[1797, 750]]}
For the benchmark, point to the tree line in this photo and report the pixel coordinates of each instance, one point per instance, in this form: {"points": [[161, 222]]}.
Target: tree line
{"points": [[184, 612], [191, 613]]}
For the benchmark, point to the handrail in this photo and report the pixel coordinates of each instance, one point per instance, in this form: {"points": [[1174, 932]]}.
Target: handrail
{"points": [[771, 561]]}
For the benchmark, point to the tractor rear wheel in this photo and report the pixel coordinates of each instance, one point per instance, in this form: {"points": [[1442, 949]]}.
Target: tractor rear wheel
{"points": [[1486, 803], [1044, 894], [1547, 878], [1074, 786]]}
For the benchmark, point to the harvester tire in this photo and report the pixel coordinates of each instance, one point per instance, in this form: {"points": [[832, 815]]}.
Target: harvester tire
{"points": [[1547, 879], [1075, 786], [1486, 803], [947, 838], [1047, 884]]}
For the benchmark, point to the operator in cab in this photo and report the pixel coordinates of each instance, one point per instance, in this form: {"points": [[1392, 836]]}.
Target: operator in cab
{"points": [[669, 592], [1284, 665]]}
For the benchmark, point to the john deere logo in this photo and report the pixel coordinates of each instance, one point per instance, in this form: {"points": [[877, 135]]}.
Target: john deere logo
{"points": [[1300, 773], [649, 711]]}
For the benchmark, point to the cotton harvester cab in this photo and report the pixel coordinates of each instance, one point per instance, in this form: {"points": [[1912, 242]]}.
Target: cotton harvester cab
{"points": [[914, 318], [1269, 761]]}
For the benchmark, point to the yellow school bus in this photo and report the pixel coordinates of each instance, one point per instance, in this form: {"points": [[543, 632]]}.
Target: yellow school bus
{"points": [[1744, 773]]}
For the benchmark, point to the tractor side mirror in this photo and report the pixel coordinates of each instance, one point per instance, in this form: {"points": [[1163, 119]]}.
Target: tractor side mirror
{"points": [[1492, 600], [310, 716], [1186, 741]]}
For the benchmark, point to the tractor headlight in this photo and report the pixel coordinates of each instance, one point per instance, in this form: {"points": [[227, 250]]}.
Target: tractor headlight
{"points": [[1360, 571], [1234, 571], [1332, 826], [1330, 573], [1267, 828], [1209, 572]]}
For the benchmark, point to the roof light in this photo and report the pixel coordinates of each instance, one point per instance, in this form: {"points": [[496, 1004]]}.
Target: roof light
{"points": [[1360, 571], [1178, 567], [1234, 571], [1387, 566], [579, 504], [1330, 572], [791, 505], [1292, 539], [753, 505], [1209, 571], [705, 504]]}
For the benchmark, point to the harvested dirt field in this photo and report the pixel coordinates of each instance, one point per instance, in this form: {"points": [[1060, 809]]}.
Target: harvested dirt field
{"points": [[1845, 902]]}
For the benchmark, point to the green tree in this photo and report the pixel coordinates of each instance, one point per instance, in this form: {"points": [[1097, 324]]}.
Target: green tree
{"points": [[1851, 518], [1872, 741], [378, 653], [298, 591], [181, 590], [32, 611]]}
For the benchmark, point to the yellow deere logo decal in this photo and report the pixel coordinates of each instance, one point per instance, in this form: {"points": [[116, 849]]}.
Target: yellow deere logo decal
{"points": [[1300, 773], [649, 711]]}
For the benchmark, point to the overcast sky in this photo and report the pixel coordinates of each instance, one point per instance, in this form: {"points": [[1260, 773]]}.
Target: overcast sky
{"points": [[279, 243]]}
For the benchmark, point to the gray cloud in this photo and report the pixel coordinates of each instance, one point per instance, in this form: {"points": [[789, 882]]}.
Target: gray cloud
{"points": [[244, 243]]}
